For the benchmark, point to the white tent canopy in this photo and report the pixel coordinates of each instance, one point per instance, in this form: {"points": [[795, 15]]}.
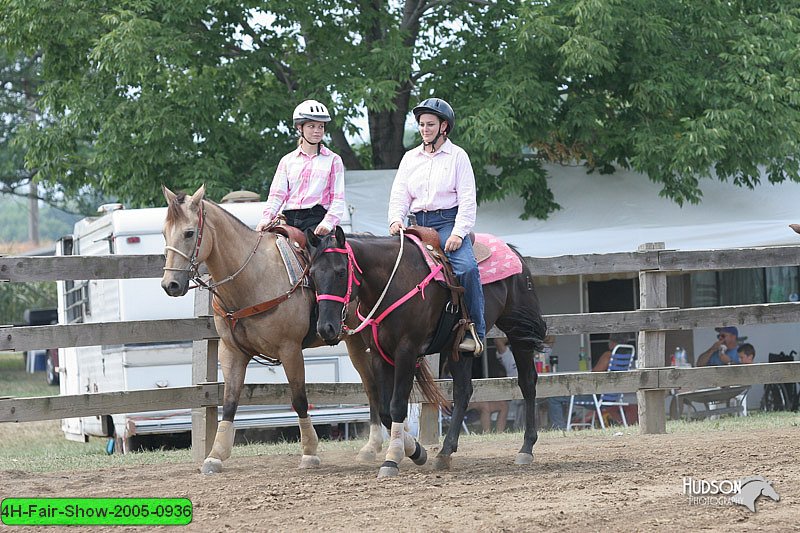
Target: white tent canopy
{"points": [[613, 213]]}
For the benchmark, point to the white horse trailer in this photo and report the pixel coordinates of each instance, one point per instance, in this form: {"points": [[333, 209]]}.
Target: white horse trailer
{"points": [[125, 367]]}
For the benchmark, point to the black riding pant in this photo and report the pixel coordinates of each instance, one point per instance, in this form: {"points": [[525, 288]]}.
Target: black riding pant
{"points": [[304, 219]]}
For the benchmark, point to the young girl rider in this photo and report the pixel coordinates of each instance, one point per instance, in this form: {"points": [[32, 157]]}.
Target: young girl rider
{"points": [[309, 183]]}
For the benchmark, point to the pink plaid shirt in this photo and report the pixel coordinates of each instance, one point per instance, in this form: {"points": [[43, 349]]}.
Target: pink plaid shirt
{"points": [[303, 181], [428, 182]]}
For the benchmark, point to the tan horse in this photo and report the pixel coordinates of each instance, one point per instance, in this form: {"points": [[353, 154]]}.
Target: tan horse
{"points": [[248, 270]]}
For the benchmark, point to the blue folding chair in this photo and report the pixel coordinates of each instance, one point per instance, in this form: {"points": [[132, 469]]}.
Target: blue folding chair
{"points": [[621, 360]]}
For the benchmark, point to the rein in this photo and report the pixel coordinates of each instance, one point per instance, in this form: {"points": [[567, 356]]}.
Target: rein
{"points": [[352, 266], [385, 290], [419, 288], [232, 317]]}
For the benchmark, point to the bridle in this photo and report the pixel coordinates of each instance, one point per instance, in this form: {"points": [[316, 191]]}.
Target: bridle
{"points": [[352, 280], [352, 265], [193, 265]]}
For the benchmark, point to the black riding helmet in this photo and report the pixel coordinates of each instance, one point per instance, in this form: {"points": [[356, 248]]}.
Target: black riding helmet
{"points": [[438, 107]]}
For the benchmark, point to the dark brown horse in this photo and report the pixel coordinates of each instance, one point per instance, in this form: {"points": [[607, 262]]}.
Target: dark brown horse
{"points": [[247, 271], [359, 267]]}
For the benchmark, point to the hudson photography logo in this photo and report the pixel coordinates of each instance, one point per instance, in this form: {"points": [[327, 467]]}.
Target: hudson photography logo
{"points": [[744, 491]]}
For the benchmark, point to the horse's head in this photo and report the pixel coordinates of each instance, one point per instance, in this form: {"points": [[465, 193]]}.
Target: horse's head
{"points": [[186, 246], [333, 270]]}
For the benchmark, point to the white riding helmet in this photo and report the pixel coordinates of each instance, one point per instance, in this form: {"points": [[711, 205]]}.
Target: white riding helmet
{"points": [[310, 110]]}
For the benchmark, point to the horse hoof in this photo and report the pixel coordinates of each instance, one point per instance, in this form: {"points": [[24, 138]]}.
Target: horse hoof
{"points": [[523, 459], [366, 456], [309, 461], [388, 469], [442, 462], [211, 466], [420, 455]]}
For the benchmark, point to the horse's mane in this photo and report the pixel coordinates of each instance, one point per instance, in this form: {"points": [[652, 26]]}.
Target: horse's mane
{"points": [[175, 213], [231, 217], [328, 240]]}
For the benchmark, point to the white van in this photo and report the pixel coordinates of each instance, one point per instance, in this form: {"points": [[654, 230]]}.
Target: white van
{"points": [[125, 367]]}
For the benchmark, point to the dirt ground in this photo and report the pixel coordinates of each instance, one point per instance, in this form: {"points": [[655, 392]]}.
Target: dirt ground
{"points": [[627, 482]]}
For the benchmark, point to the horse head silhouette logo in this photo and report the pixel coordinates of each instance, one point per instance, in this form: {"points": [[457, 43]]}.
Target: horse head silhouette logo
{"points": [[752, 488]]}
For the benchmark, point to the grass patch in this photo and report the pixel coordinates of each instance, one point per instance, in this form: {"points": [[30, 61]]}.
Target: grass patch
{"points": [[17, 383], [41, 447]]}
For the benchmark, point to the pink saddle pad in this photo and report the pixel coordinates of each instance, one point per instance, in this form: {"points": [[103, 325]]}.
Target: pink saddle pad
{"points": [[501, 264]]}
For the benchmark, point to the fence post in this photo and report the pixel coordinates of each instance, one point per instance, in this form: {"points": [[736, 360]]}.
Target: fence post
{"points": [[652, 295], [429, 414], [204, 369]]}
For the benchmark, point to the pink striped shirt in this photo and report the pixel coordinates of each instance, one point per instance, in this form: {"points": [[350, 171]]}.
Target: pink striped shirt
{"points": [[303, 181], [428, 182]]}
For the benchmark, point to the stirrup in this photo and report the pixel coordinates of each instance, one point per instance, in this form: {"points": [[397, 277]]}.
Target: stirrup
{"points": [[471, 342]]}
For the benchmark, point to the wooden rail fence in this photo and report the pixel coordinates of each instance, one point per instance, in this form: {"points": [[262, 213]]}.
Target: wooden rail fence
{"points": [[651, 381]]}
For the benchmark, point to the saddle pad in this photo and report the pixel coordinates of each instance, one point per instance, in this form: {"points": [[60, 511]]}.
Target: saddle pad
{"points": [[294, 269], [428, 259], [502, 262]]}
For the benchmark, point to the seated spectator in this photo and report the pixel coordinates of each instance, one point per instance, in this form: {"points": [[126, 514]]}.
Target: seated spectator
{"points": [[747, 353], [506, 357], [724, 350], [486, 409], [613, 340]]}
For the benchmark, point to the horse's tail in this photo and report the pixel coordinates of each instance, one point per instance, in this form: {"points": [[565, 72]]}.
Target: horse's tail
{"points": [[525, 323], [428, 386]]}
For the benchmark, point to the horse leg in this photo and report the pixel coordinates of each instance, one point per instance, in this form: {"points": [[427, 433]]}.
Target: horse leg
{"points": [[527, 378], [361, 359], [234, 366], [296, 375], [401, 443], [461, 371]]}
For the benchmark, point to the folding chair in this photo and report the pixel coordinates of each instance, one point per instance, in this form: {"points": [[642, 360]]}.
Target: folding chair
{"points": [[621, 360]]}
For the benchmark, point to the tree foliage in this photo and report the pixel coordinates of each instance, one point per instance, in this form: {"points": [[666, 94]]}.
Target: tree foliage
{"points": [[15, 298], [19, 78], [140, 93], [678, 90]]}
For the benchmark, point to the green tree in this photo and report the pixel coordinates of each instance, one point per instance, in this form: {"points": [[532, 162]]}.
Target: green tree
{"points": [[15, 298], [678, 90], [151, 91], [182, 92], [19, 79]]}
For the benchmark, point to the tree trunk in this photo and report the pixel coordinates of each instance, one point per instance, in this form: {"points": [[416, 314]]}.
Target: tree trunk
{"points": [[386, 130], [33, 213], [344, 149]]}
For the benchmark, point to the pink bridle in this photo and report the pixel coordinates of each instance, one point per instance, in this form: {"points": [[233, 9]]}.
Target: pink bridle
{"points": [[352, 266]]}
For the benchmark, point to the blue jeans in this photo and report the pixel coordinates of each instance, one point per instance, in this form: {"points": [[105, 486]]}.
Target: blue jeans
{"points": [[463, 260]]}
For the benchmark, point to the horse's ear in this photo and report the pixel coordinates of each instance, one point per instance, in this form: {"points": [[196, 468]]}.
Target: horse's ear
{"points": [[198, 195], [312, 238], [168, 194], [339, 234]]}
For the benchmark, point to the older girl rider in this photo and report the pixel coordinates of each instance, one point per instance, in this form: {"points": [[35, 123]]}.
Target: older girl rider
{"points": [[435, 182], [309, 183]]}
